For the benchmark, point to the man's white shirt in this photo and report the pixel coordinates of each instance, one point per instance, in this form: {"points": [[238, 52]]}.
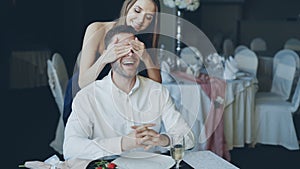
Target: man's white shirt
{"points": [[102, 114]]}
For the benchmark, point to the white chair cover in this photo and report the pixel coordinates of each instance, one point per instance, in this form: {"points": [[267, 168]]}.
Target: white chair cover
{"points": [[284, 68], [258, 44], [62, 74], [297, 61], [293, 44], [58, 76], [281, 54], [273, 121], [247, 61], [240, 48], [296, 98], [191, 56], [77, 64], [55, 85]]}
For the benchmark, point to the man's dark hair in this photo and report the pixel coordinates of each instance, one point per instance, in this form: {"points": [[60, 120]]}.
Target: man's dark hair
{"points": [[117, 30]]}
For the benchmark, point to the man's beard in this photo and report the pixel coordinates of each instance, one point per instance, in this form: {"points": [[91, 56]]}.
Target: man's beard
{"points": [[118, 69]]}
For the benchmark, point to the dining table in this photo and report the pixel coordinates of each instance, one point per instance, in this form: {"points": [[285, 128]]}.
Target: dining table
{"points": [[239, 111], [191, 160], [192, 98]]}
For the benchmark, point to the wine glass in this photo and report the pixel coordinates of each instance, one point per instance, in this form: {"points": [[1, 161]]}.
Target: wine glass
{"points": [[177, 148]]}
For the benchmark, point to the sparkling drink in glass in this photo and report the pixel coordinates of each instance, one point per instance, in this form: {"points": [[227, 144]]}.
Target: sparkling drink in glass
{"points": [[177, 148]]}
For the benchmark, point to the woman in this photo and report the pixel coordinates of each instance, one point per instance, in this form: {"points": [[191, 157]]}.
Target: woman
{"points": [[142, 15]]}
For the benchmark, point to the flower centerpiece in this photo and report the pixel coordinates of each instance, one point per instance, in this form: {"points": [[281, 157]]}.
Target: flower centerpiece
{"points": [[189, 5]]}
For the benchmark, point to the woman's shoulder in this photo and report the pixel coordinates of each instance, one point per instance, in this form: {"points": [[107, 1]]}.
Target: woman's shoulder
{"points": [[100, 26]]}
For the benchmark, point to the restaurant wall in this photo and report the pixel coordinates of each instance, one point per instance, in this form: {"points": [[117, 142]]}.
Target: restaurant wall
{"points": [[271, 9], [244, 20], [78, 14], [274, 21], [219, 21], [60, 25], [28, 25]]}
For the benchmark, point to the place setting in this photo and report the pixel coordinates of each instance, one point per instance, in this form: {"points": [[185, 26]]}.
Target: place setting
{"points": [[136, 159]]}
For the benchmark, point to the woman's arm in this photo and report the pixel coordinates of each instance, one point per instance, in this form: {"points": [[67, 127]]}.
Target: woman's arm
{"points": [[88, 69], [92, 46], [152, 70]]}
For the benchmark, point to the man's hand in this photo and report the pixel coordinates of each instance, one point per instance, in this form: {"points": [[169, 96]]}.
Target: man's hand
{"points": [[149, 137]]}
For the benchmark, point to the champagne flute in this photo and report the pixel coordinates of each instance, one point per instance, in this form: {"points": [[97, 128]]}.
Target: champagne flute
{"points": [[177, 148]]}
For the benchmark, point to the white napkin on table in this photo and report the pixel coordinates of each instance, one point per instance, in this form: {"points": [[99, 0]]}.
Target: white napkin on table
{"points": [[50, 163], [233, 62], [196, 69], [189, 71], [229, 72], [232, 65], [165, 73], [53, 162]]}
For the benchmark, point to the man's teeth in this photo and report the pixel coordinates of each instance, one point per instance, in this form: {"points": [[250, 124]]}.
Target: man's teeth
{"points": [[128, 62]]}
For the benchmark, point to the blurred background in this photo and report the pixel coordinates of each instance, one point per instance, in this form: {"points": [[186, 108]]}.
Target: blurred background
{"points": [[30, 113]]}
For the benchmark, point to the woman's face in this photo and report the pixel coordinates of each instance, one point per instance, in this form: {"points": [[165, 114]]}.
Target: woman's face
{"points": [[141, 14]]}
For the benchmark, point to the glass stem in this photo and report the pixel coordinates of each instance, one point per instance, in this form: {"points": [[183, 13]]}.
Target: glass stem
{"points": [[177, 164]]}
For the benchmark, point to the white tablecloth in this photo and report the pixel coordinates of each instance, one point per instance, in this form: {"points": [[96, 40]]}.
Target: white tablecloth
{"points": [[198, 159], [206, 160], [239, 110], [192, 101], [28, 69], [239, 107]]}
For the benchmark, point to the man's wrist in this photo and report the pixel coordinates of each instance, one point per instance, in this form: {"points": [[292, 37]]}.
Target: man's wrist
{"points": [[127, 143]]}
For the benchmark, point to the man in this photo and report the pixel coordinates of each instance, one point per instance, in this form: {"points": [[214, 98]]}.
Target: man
{"points": [[123, 111]]}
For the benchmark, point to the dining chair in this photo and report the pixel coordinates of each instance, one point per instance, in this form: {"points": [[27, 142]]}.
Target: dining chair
{"points": [[247, 61], [273, 121], [191, 56], [57, 76], [228, 47], [258, 44], [240, 48], [287, 52], [284, 68], [61, 71], [293, 44]]}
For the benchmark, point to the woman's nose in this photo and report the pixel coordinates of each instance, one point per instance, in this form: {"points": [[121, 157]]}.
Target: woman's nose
{"points": [[140, 19]]}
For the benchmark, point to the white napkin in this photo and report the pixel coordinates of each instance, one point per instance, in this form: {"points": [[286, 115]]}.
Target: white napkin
{"points": [[232, 65], [233, 62], [165, 73], [214, 58], [196, 69], [54, 163], [51, 163], [189, 71], [229, 74]]}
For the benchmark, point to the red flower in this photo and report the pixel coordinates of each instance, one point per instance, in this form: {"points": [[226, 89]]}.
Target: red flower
{"points": [[111, 165], [99, 168]]}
